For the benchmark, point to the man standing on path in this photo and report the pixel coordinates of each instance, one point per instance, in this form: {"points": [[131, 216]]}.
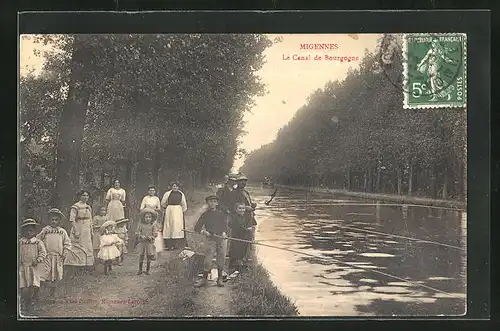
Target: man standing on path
{"points": [[241, 195], [224, 194]]}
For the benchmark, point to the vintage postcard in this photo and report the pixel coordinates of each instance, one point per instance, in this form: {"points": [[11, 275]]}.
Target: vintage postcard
{"points": [[247, 175]]}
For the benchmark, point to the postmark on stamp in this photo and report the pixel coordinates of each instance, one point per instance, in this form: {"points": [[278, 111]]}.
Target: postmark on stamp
{"points": [[435, 70]]}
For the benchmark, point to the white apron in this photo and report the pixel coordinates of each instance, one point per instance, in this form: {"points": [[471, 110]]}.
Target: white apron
{"points": [[173, 224]]}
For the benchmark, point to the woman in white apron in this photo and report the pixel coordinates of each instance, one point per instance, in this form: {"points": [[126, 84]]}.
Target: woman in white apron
{"points": [[116, 201], [174, 202], [153, 202]]}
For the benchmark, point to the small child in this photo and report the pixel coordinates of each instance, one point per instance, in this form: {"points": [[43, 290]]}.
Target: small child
{"points": [[213, 222], [31, 253], [108, 251], [57, 244], [242, 225], [97, 222], [146, 233], [122, 233]]}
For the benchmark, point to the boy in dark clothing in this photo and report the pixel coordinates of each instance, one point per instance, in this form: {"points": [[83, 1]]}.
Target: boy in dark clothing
{"points": [[242, 227], [213, 222]]}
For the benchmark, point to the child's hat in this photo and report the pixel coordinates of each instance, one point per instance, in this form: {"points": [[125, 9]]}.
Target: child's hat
{"points": [[56, 212], [107, 223], [211, 197], [148, 210], [121, 220], [28, 222]]}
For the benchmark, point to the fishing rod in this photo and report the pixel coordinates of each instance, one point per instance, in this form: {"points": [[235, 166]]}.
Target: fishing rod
{"points": [[272, 197], [329, 259]]}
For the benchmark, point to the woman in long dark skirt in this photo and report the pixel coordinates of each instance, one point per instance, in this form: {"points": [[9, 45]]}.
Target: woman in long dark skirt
{"points": [[241, 228]]}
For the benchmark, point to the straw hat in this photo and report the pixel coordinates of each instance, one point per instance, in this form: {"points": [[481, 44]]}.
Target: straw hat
{"points": [[232, 177], [122, 220], [56, 211], [242, 177], [28, 222], [148, 210], [107, 223]]}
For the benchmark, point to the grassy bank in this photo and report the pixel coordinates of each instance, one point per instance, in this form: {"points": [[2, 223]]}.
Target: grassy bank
{"points": [[171, 295], [254, 294], [384, 197]]}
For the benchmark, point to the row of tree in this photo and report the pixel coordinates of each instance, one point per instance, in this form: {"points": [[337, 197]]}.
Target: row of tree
{"points": [[355, 135], [141, 108]]}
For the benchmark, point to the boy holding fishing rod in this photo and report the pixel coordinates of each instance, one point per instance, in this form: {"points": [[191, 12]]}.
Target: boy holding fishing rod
{"points": [[213, 224]]}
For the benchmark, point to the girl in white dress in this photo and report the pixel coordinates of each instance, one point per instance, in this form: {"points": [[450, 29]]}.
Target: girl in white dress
{"points": [[116, 201], [109, 251], [173, 225], [153, 202]]}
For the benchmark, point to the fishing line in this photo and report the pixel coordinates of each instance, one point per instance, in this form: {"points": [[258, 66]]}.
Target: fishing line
{"points": [[397, 236], [332, 259], [365, 204]]}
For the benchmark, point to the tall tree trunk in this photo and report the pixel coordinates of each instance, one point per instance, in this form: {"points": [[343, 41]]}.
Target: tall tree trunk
{"points": [[348, 179], [156, 164], [410, 179], [71, 128], [370, 180], [365, 184], [399, 180], [445, 181], [377, 185], [433, 182]]}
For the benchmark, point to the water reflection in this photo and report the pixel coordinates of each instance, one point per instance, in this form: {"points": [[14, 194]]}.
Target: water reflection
{"points": [[344, 282]]}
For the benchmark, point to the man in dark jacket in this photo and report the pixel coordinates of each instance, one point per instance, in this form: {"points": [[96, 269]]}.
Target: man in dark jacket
{"points": [[224, 194]]}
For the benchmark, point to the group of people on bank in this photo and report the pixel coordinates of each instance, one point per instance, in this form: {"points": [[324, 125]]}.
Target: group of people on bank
{"points": [[229, 213], [104, 237]]}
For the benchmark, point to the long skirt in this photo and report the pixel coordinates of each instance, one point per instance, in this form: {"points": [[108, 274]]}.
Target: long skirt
{"points": [[115, 210], [29, 275], [52, 268], [82, 253], [173, 224]]}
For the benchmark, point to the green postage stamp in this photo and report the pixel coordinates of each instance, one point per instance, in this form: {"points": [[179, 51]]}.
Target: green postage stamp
{"points": [[435, 70]]}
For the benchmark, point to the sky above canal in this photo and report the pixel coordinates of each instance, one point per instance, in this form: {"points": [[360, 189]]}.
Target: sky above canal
{"points": [[288, 82]]}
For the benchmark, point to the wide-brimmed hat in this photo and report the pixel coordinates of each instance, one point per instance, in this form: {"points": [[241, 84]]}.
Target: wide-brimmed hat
{"points": [[242, 177], [122, 220], [212, 197], [56, 211], [232, 177], [107, 223], [29, 222], [146, 210]]}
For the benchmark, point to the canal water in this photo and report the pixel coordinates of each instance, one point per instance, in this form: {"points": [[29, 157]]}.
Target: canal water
{"points": [[353, 243]]}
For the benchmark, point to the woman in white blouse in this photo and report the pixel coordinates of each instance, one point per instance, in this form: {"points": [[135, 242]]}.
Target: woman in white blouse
{"points": [[116, 201]]}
